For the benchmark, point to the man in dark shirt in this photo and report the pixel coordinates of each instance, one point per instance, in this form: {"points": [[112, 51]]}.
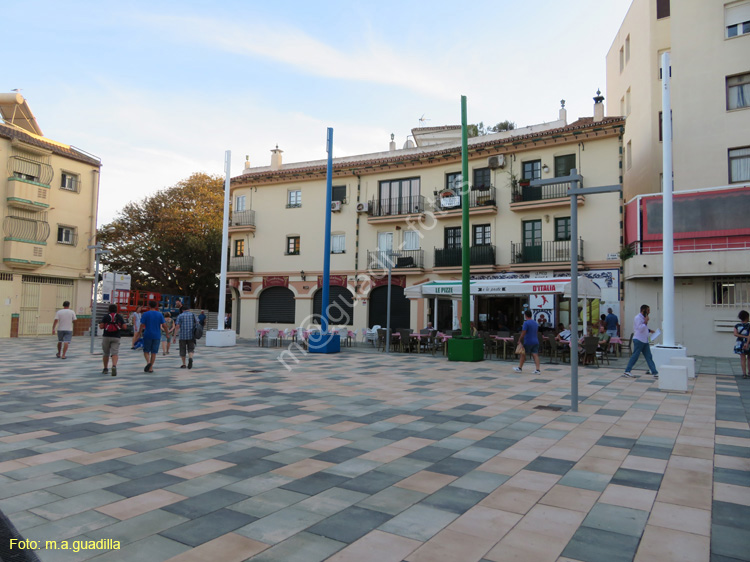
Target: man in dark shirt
{"points": [[111, 325], [611, 323], [202, 318]]}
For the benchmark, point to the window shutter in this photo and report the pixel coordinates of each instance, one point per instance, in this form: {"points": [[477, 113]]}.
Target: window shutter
{"points": [[736, 14], [276, 305]]}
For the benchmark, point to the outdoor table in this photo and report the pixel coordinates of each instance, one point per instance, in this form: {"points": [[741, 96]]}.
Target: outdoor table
{"points": [[262, 332], [616, 341], [505, 341]]}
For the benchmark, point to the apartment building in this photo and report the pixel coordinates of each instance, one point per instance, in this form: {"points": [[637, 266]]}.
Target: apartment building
{"points": [[709, 46], [49, 217], [406, 201]]}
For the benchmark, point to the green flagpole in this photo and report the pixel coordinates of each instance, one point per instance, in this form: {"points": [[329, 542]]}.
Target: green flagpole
{"points": [[465, 240]]}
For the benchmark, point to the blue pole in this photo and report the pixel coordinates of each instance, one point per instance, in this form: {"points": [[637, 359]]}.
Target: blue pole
{"points": [[327, 234]]}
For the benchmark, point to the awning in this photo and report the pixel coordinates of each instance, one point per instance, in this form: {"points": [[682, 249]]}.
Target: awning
{"points": [[505, 287]]}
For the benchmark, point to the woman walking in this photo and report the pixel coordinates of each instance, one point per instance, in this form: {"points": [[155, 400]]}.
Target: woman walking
{"points": [[166, 335], [135, 320], [742, 333]]}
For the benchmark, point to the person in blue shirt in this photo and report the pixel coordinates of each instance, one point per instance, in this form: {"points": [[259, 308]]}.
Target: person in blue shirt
{"points": [[152, 323], [611, 323], [530, 340]]}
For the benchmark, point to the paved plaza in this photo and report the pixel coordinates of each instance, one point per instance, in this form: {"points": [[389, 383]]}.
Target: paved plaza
{"points": [[364, 456]]}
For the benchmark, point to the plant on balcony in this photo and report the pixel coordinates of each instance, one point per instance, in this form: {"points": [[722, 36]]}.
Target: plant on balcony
{"points": [[627, 252]]}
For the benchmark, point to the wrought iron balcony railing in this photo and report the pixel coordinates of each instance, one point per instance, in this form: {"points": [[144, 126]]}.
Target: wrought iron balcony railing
{"points": [[240, 263], [478, 255], [242, 218], [544, 252], [522, 193], [478, 197], [401, 259], [397, 206]]}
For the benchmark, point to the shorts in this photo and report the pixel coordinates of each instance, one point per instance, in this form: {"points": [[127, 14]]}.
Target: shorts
{"points": [[186, 346], [151, 346], [533, 348], [165, 337], [111, 346], [65, 336]]}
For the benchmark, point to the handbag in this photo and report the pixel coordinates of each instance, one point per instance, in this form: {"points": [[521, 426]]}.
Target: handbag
{"points": [[520, 349]]}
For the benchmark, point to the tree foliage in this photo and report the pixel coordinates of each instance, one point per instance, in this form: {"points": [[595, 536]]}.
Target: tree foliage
{"points": [[480, 130], [170, 242]]}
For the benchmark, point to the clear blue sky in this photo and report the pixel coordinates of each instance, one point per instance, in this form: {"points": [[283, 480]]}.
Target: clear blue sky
{"points": [[160, 90]]}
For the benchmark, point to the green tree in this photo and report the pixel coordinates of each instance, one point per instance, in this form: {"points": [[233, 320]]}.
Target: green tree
{"points": [[170, 242], [480, 130]]}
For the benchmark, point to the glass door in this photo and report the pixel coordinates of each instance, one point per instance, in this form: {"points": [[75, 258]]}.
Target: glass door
{"points": [[532, 241]]}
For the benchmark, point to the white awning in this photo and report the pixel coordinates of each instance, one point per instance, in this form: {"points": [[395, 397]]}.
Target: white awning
{"points": [[505, 287]]}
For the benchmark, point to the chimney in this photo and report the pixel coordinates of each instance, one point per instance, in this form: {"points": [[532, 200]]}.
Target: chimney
{"points": [[392, 146], [563, 112], [276, 158], [598, 106], [247, 163]]}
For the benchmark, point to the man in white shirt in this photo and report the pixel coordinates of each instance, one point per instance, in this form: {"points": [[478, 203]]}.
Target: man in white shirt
{"points": [[64, 319], [640, 343]]}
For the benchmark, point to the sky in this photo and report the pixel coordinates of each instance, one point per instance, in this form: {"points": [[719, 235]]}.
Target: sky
{"points": [[160, 90]]}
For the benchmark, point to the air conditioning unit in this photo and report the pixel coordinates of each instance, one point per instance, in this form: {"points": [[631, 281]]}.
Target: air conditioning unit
{"points": [[363, 207], [335, 206], [495, 162]]}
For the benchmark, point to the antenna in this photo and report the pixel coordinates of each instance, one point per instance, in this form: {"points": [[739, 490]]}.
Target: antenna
{"points": [[423, 119]]}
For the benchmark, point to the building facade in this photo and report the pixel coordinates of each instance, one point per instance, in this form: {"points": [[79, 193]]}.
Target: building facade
{"points": [[49, 217], [709, 43], [403, 207]]}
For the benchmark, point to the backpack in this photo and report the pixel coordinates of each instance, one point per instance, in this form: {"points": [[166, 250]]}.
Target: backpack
{"points": [[197, 329], [112, 326]]}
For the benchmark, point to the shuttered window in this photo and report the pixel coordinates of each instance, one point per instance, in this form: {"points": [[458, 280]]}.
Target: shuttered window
{"points": [[276, 306], [341, 308]]}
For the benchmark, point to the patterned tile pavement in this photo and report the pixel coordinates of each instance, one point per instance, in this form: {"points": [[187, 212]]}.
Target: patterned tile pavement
{"points": [[362, 456]]}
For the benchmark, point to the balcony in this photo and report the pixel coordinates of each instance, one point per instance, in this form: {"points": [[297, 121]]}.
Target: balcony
{"points": [[482, 201], [546, 252], [23, 254], [27, 194], [242, 221], [525, 196], [398, 209], [240, 264], [405, 261], [478, 256]]}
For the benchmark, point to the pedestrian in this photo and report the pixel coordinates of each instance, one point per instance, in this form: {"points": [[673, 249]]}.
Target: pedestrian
{"points": [[530, 341], [166, 337], [228, 321], [64, 318], [111, 325], [742, 345], [611, 323], [185, 327], [640, 343], [135, 321], [152, 325], [202, 318]]}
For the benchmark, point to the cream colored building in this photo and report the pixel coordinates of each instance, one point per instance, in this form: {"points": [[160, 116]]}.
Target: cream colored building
{"points": [[49, 216], [405, 200], [709, 46]]}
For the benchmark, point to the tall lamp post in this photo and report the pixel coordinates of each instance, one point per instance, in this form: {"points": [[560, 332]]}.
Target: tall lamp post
{"points": [[98, 251]]}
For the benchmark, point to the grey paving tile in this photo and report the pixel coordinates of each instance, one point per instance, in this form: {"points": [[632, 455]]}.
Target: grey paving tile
{"points": [[268, 502], [596, 545], [731, 515], [404, 466], [730, 476], [67, 527], [550, 465], [27, 501], [586, 480], [154, 548], [617, 519], [637, 479], [92, 483], [480, 481], [350, 524], [370, 482], [331, 501], [138, 527], [651, 451], [142, 485], [392, 500], [280, 525], [619, 442], [454, 499], [731, 542], [202, 484], [208, 527], [419, 522], [202, 504], [315, 483], [353, 467], [302, 547]]}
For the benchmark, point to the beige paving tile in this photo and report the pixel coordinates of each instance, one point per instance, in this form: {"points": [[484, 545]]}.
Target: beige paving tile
{"points": [[736, 463], [565, 452], [385, 454], [226, 548], [691, 463], [661, 544], [426, 482], [485, 522], [525, 546], [343, 426], [377, 546], [276, 434], [530, 480], [8, 466], [327, 444], [473, 434], [515, 500], [44, 458], [687, 450], [570, 498], [196, 445], [625, 496], [731, 493], [199, 468], [26, 436], [197, 426], [614, 453], [412, 443], [403, 419], [450, 546], [138, 505], [681, 518], [645, 463], [302, 468], [503, 465], [153, 427], [109, 454], [597, 464], [729, 440]]}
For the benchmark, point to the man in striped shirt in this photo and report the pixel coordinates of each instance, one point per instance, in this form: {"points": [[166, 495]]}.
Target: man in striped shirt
{"points": [[186, 323]]}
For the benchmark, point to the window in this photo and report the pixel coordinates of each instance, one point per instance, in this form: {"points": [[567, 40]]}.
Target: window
{"points": [[482, 178], [338, 193], [532, 170], [411, 240], [482, 235], [239, 248], [738, 91], [292, 245], [627, 49], [69, 181], [729, 292], [239, 204], [454, 181], [662, 9], [627, 102], [338, 244], [739, 164], [452, 237], [737, 18], [294, 198], [564, 164], [66, 235], [629, 155], [622, 59], [400, 197], [562, 228]]}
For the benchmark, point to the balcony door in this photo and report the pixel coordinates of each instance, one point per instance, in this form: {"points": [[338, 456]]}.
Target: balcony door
{"points": [[532, 241], [385, 245], [453, 238]]}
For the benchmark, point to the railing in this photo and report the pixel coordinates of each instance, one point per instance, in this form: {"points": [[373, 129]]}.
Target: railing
{"points": [[379, 259], [242, 218], [478, 197], [544, 252], [397, 206], [243, 263], [711, 244], [68, 239], [26, 225], [31, 167], [478, 255], [523, 192]]}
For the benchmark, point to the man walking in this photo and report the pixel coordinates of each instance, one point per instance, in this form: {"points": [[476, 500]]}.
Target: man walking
{"points": [[530, 341], [65, 318], [202, 318], [111, 325], [640, 343], [611, 323], [186, 322], [152, 323]]}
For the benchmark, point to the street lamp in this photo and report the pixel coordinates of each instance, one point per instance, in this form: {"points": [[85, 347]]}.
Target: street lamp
{"points": [[98, 251], [390, 254]]}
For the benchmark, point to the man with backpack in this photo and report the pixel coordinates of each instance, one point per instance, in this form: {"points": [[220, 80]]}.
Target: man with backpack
{"points": [[189, 330], [111, 325]]}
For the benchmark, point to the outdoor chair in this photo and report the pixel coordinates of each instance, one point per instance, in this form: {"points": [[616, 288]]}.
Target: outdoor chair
{"points": [[554, 350], [271, 336], [590, 344], [602, 352], [628, 345], [490, 345], [408, 344], [344, 336]]}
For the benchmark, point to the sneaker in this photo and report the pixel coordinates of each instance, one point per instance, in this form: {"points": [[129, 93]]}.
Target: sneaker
{"points": [[517, 370], [537, 372], [105, 371], [183, 366], [190, 363], [114, 371], [628, 374], [656, 375]]}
